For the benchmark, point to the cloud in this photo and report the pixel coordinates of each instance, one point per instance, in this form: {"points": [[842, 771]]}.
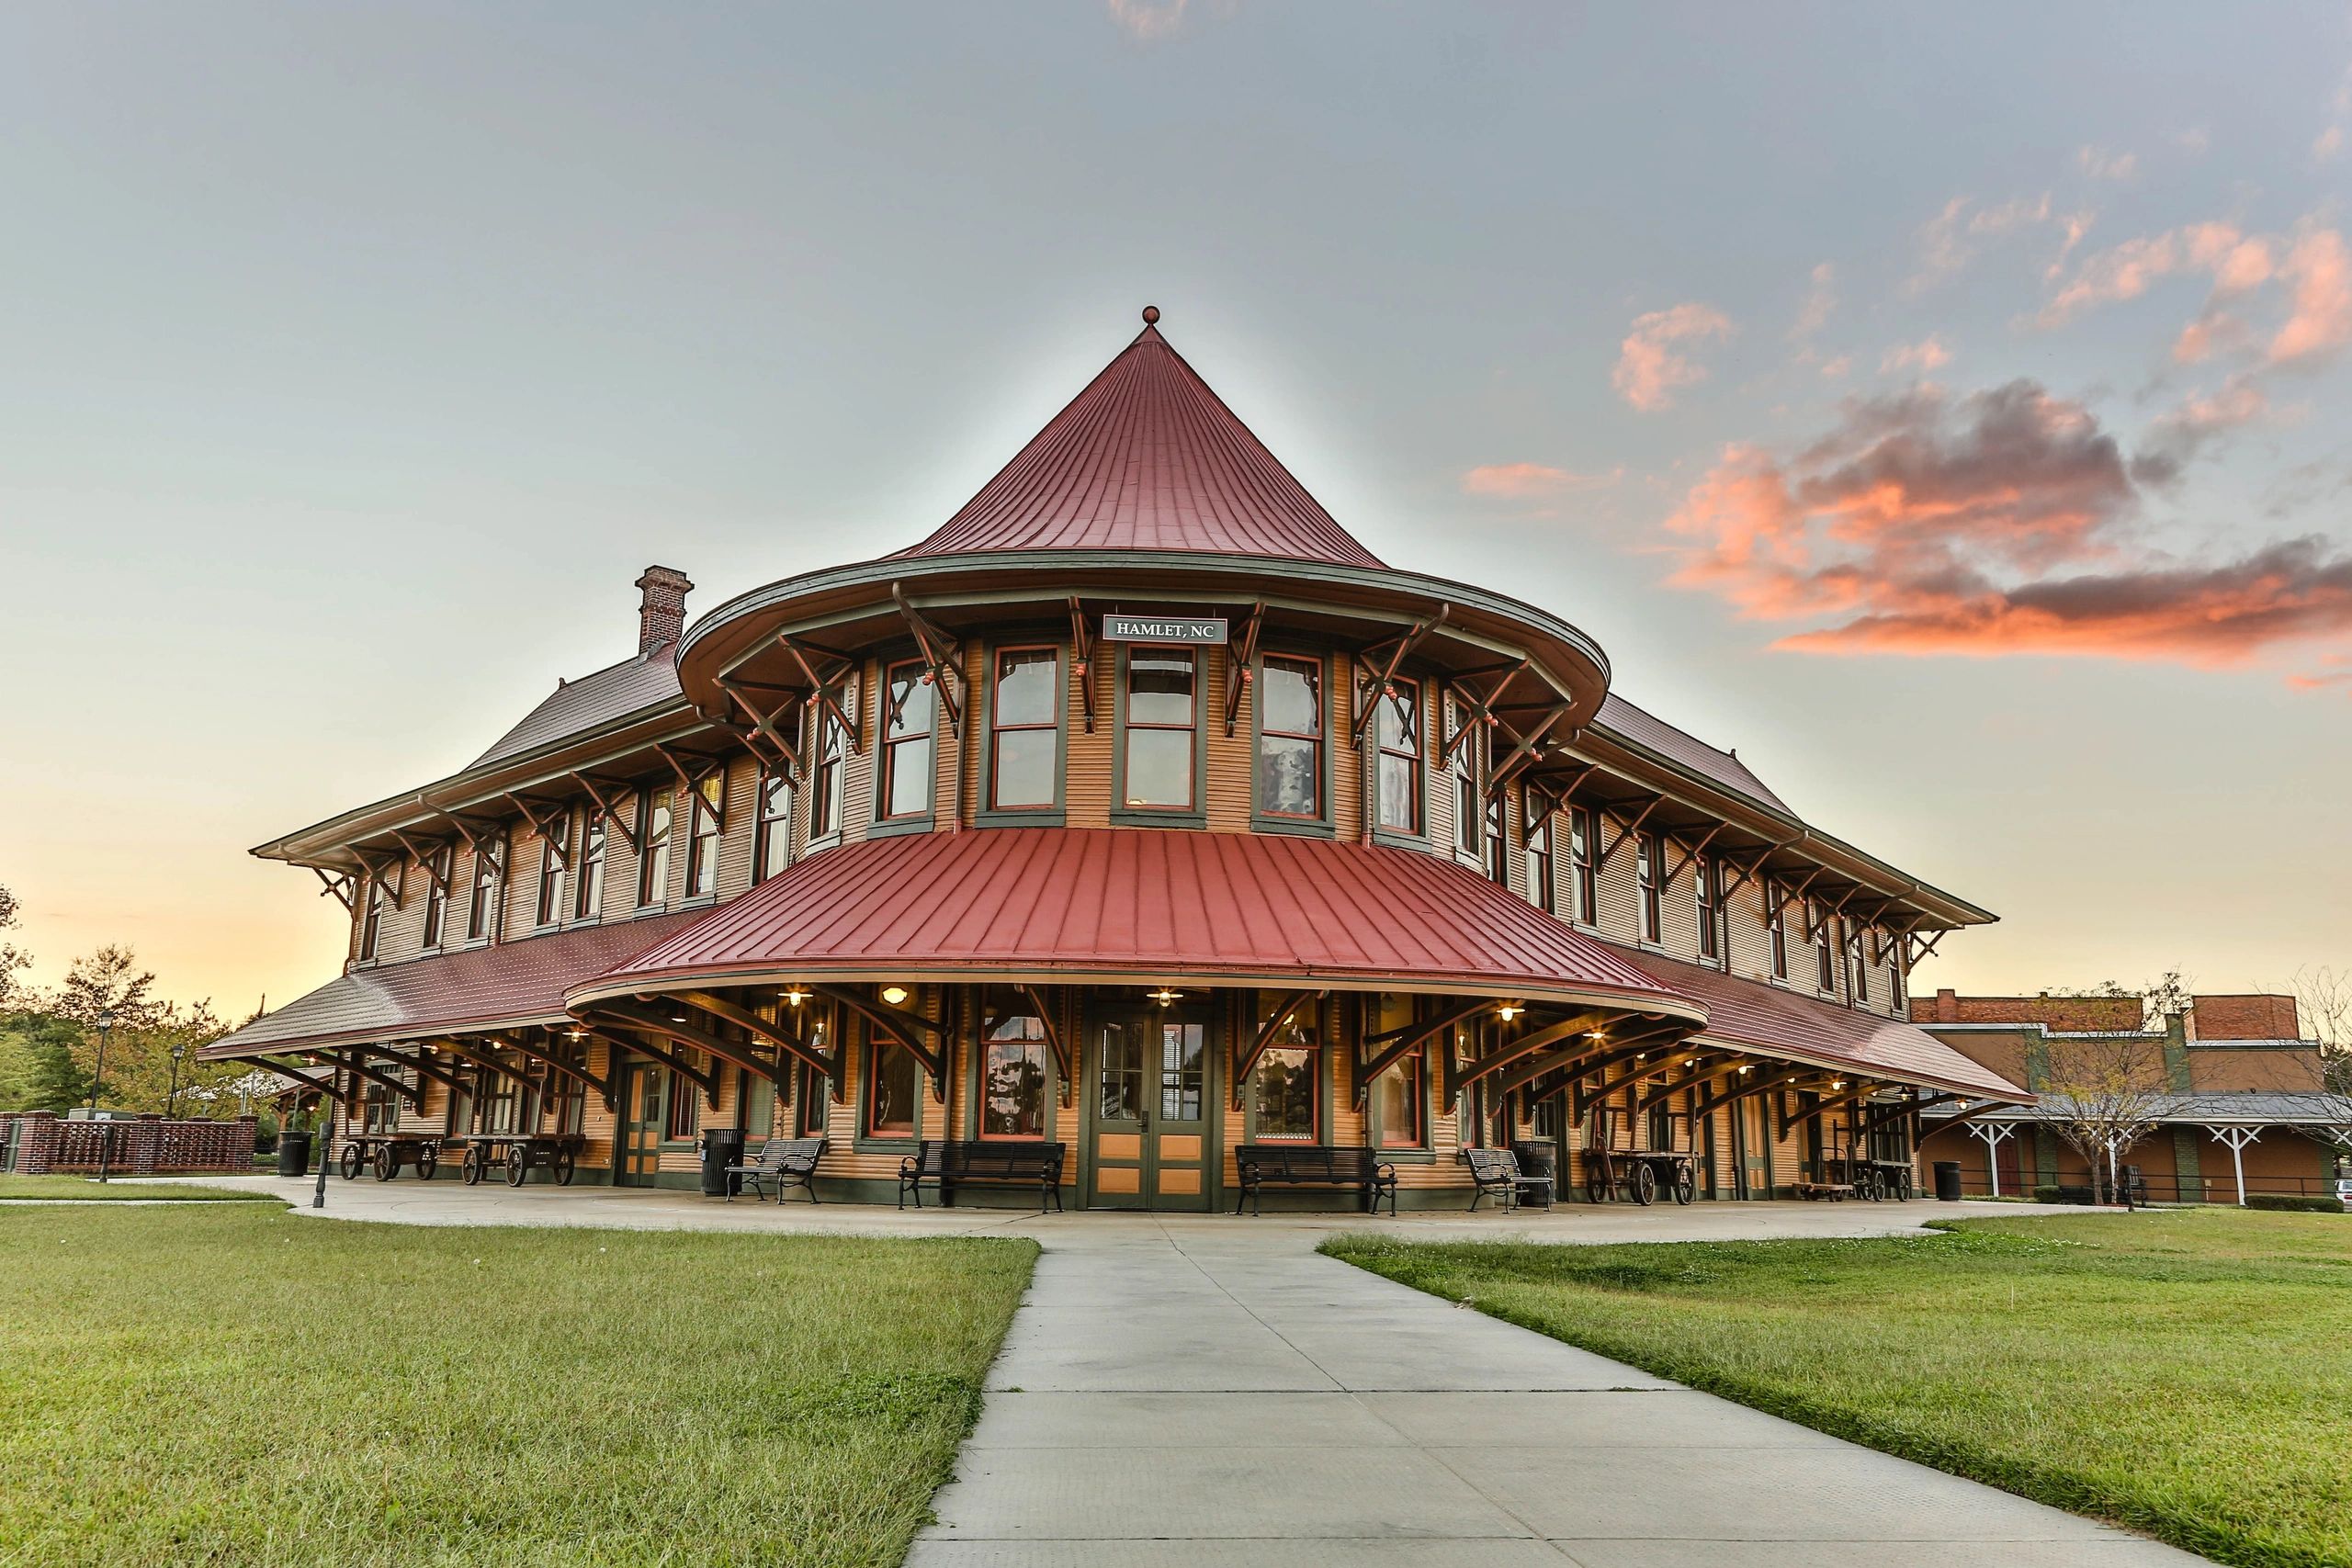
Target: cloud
{"points": [[1819, 301], [1953, 237], [2101, 164], [2318, 272], [2236, 263], [2195, 142], [2004, 523], [2178, 437], [2327, 143], [1649, 368], [1148, 20], [1832, 369], [1925, 356], [1531, 481]]}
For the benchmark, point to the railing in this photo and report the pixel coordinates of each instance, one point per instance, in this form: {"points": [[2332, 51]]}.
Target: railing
{"points": [[42, 1141], [2159, 1187]]}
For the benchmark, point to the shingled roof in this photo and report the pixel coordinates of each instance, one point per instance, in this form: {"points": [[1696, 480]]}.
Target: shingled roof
{"points": [[1148, 459], [577, 707]]}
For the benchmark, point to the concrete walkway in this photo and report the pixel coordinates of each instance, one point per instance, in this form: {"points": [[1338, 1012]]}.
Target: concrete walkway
{"points": [[1209, 1391]]}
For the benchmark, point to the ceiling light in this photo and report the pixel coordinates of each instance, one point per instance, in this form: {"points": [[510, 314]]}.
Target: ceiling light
{"points": [[1509, 1011], [1165, 996], [894, 995], [796, 996]]}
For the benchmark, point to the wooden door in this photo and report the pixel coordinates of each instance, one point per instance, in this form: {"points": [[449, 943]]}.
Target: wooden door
{"points": [[1148, 1116], [1754, 1125], [638, 1150]]}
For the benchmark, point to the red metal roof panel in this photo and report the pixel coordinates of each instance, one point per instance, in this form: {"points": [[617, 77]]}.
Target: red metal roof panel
{"points": [[1145, 902], [1148, 459], [512, 982]]}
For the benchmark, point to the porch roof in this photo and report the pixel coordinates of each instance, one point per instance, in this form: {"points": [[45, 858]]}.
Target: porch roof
{"points": [[506, 986], [1150, 905]]}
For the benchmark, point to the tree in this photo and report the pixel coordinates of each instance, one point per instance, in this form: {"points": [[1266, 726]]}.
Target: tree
{"points": [[2104, 1093], [2159, 999], [37, 1065], [2323, 1001], [13, 959]]}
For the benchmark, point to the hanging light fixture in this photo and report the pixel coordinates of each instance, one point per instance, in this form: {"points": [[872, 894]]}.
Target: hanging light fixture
{"points": [[1165, 996], [1509, 1011], [794, 995], [894, 995]]}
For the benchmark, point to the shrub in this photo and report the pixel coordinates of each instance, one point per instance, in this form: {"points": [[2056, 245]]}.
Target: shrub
{"points": [[2294, 1202], [2047, 1195]]}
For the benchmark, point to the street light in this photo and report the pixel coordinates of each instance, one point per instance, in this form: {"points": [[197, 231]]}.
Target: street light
{"points": [[172, 1096], [98, 1074]]}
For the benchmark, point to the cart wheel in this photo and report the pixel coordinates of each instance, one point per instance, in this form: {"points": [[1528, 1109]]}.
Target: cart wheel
{"points": [[1686, 1184], [1866, 1187], [1596, 1189], [353, 1157], [475, 1165], [386, 1165], [428, 1161], [563, 1163], [518, 1164]]}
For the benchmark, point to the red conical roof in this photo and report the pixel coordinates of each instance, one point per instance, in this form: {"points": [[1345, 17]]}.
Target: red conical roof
{"points": [[1148, 459]]}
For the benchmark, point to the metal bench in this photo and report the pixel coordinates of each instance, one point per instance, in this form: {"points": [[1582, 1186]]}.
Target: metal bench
{"points": [[786, 1162], [1312, 1165], [949, 1163], [1494, 1173]]}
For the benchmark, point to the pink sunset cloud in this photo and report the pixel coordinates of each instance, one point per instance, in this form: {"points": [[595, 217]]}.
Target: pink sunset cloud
{"points": [[1529, 481], [1925, 356], [1653, 360]]}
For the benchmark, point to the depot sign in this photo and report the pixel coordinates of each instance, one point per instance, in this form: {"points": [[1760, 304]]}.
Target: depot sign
{"points": [[1164, 628]]}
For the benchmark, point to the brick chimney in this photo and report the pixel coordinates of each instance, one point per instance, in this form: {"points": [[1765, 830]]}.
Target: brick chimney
{"points": [[661, 613]]}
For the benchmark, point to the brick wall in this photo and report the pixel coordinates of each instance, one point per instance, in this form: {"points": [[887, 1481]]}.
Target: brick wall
{"points": [[2066, 1014], [44, 1142], [2243, 1018]]}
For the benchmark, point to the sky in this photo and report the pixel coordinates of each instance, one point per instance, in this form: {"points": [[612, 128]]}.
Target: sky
{"points": [[1945, 406]]}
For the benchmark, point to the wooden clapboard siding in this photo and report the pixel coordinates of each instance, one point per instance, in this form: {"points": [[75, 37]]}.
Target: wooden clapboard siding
{"points": [[1086, 787], [1232, 760]]}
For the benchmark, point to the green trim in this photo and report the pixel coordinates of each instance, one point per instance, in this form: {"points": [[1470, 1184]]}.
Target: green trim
{"points": [[1326, 1013], [881, 827], [983, 712], [1319, 826], [975, 1048], [1125, 815], [1369, 756]]}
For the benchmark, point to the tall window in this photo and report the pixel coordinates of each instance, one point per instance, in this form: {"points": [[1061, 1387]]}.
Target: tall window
{"points": [[1290, 737], [1895, 978], [490, 871], [1469, 816], [371, 918], [652, 847], [827, 760], [1776, 905], [1647, 851], [705, 804], [1025, 713], [1706, 894], [772, 846], [1014, 1074], [1825, 961], [1538, 849], [1857, 964], [1161, 686], [1399, 1094], [555, 851], [907, 705], [892, 1077], [1583, 844], [1397, 730], [588, 895], [815, 1101], [1282, 1085], [436, 895], [685, 1116], [1497, 838]]}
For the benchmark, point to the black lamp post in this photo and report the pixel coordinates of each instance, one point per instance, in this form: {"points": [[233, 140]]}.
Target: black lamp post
{"points": [[98, 1074], [172, 1096]]}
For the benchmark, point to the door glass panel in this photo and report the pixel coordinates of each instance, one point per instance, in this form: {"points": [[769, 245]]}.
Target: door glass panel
{"points": [[1180, 1071], [1122, 1068]]}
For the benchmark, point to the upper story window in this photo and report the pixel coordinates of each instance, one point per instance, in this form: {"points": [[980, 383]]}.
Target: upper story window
{"points": [[555, 854], [1584, 831], [771, 843], [1397, 732], [1160, 729], [827, 760], [1290, 738], [1776, 916], [908, 704], [1024, 723], [1824, 959], [1537, 841], [371, 916], [1469, 811], [490, 871], [1647, 851], [1895, 978], [438, 868], [1497, 838], [652, 847], [588, 895], [1707, 897], [705, 807], [1857, 964]]}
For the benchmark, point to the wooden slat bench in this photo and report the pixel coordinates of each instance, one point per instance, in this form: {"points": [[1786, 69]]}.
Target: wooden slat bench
{"points": [[1313, 1165], [786, 1162], [1494, 1173], [949, 1163]]}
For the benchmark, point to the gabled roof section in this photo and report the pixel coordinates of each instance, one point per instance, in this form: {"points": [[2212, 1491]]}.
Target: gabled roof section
{"points": [[576, 706], [1652, 733], [1148, 459]]}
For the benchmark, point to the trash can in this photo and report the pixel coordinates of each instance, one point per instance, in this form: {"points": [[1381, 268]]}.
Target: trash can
{"points": [[293, 1154], [722, 1146], [1947, 1181]]}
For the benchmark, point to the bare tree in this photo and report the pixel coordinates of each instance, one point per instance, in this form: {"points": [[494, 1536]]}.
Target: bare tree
{"points": [[2104, 1094], [2324, 1002]]}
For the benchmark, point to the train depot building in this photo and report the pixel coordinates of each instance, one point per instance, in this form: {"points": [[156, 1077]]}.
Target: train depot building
{"points": [[1136, 839]]}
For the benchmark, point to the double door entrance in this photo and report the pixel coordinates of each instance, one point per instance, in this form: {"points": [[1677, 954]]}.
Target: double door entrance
{"points": [[644, 1118], [1150, 1107]]}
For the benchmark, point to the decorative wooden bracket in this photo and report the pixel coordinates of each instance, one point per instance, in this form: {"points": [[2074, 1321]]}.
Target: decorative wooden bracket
{"points": [[1476, 707], [1239, 662], [941, 655], [743, 1018], [312, 1085], [604, 1086], [1626, 831], [901, 1029], [764, 724], [1409, 1039], [1748, 872], [1460, 1075], [1700, 1069], [654, 1020], [413, 1094], [551, 822], [707, 1081], [1895, 1113], [820, 687], [1756, 1084], [1378, 675], [1914, 952], [1788, 1123], [614, 820], [343, 887], [465, 1052], [1694, 853], [392, 876], [429, 859], [1055, 1041], [1246, 1061], [1783, 896], [1081, 649], [1526, 754]]}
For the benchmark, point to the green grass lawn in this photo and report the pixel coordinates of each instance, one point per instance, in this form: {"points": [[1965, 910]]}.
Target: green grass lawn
{"points": [[21, 1188], [2187, 1373], [241, 1385]]}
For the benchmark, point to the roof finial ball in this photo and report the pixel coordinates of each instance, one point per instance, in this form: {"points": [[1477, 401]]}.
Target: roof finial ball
{"points": [[1150, 315]]}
